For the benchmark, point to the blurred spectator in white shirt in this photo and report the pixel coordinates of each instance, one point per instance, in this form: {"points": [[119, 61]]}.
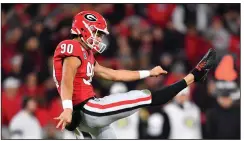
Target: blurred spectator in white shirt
{"points": [[24, 124], [184, 117]]}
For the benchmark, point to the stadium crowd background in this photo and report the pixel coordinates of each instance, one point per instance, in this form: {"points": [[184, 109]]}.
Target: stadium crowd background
{"points": [[174, 36]]}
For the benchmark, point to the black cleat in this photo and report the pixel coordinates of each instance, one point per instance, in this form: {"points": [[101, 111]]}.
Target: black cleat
{"points": [[204, 66]]}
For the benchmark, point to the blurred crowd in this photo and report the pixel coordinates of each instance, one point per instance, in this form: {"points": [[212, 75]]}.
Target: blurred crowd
{"points": [[174, 36]]}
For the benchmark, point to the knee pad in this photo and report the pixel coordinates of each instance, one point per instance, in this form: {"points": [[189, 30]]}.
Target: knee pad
{"points": [[146, 91]]}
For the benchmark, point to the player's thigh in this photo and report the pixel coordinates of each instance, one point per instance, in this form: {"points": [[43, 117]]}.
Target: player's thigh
{"points": [[104, 111]]}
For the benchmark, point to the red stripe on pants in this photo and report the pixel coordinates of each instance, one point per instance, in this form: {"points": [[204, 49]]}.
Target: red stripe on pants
{"points": [[118, 103]]}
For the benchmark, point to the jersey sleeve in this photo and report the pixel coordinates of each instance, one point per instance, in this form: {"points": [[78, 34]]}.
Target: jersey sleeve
{"points": [[69, 48]]}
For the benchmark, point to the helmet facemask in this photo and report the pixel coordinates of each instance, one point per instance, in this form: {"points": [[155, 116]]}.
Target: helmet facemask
{"points": [[92, 42]]}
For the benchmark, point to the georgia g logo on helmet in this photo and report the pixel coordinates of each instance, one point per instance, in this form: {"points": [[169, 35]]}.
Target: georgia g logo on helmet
{"points": [[90, 17]]}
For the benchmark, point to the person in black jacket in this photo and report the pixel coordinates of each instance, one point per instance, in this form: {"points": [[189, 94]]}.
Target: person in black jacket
{"points": [[223, 121]]}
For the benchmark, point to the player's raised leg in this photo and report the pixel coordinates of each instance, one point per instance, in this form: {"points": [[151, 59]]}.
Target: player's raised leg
{"points": [[103, 111]]}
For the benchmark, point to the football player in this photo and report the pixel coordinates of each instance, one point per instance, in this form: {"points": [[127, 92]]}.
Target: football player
{"points": [[75, 65]]}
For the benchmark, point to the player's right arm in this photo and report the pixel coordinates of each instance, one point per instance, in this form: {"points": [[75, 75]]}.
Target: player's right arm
{"points": [[125, 75], [69, 51], [70, 67]]}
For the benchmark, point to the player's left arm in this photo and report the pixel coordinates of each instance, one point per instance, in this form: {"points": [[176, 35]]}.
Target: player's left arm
{"points": [[125, 75]]}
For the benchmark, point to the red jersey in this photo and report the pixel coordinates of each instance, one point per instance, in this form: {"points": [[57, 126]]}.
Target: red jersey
{"points": [[82, 88]]}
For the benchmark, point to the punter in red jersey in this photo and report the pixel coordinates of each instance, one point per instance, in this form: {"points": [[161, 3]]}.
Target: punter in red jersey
{"points": [[82, 88], [75, 65]]}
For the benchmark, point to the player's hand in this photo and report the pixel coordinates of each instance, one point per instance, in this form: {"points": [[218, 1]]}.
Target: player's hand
{"points": [[156, 71], [64, 118]]}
